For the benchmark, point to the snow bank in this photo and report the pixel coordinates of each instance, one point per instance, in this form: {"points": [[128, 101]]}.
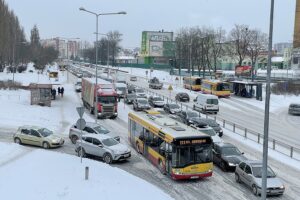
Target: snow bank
{"points": [[49, 175]]}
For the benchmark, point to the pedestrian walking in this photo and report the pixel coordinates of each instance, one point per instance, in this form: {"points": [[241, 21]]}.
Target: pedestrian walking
{"points": [[62, 91], [53, 94], [58, 91]]}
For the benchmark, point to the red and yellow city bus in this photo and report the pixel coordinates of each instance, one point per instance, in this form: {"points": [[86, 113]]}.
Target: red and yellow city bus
{"points": [[192, 83], [216, 87], [177, 150]]}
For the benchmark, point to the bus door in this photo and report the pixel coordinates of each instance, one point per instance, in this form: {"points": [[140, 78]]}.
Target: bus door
{"points": [[168, 158]]}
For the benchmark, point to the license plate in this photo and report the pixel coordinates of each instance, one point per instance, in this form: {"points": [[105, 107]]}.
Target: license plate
{"points": [[126, 155], [194, 177]]}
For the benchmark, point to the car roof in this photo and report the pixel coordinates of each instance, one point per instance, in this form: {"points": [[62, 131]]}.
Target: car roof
{"points": [[98, 136], [31, 127], [225, 144], [254, 162]]}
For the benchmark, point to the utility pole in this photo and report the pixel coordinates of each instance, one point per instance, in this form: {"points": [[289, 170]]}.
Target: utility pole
{"points": [[267, 107]]}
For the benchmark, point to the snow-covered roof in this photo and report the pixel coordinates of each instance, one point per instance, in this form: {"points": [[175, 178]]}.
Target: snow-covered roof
{"points": [[277, 59]]}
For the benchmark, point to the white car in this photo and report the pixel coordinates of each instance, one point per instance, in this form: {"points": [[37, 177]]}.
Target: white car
{"points": [[103, 146]]}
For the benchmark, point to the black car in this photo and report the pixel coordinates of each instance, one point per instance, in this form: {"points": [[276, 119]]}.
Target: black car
{"points": [[140, 104], [172, 108], [188, 117], [129, 98], [182, 97], [156, 101], [212, 123], [130, 88], [227, 156], [294, 109]]}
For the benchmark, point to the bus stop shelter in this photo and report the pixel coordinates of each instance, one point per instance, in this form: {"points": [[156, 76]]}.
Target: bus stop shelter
{"points": [[247, 89], [40, 94]]}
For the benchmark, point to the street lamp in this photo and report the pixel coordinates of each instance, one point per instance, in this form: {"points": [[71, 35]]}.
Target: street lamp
{"points": [[97, 15]]}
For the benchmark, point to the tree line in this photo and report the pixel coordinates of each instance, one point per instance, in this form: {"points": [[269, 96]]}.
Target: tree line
{"points": [[202, 48], [15, 50], [108, 49]]}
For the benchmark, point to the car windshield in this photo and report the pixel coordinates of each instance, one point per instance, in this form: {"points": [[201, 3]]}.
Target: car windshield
{"points": [[229, 151], [184, 156], [295, 105], [257, 172], [107, 99], [142, 101], [212, 101], [110, 142], [174, 106], [183, 94], [210, 132], [157, 99], [139, 90], [192, 114], [123, 89], [101, 129], [78, 83], [45, 132]]}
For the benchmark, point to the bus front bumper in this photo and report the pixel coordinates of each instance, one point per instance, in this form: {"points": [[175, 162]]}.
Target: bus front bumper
{"points": [[191, 176]]}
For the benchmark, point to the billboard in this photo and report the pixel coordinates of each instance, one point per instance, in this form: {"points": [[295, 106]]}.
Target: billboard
{"points": [[243, 70], [153, 42]]}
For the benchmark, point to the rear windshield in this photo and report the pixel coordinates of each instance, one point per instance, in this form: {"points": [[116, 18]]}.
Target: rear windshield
{"points": [[139, 90], [157, 99], [212, 101], [142, 101], [174, 106]]}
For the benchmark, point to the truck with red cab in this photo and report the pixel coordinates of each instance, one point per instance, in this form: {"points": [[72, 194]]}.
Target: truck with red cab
{"points": [[105, 93]]}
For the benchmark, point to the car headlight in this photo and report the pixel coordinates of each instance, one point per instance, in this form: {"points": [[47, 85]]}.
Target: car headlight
{"points": [[282, 187], [190, 121], [231, 164]]}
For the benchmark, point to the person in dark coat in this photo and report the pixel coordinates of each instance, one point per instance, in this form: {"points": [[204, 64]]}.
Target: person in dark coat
{"points": [[54, 93], [58, 91], [62, 91]]}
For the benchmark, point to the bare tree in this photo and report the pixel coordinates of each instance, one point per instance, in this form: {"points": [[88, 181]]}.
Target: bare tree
{"points": [[217, 50], [258, 41], [240, 38]]}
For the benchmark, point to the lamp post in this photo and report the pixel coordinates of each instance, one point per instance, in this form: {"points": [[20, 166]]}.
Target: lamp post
{"points": [[267, 107], [97, 15]]}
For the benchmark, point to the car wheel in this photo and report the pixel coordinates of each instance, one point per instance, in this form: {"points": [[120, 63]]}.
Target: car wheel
{"points": [[74, 138], [17, 141], [107, 158], [254, 189], [80, 152], [46, 145], [223, 166], [237, 178]]}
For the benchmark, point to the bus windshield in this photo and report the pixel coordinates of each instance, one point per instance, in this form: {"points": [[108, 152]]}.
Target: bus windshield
{"points": [[198, 81], [189, 155]]}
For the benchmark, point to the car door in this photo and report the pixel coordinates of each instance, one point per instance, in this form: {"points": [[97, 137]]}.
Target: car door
{"points": [[25, 136], [98, 148], [217, 155], [248, 175], [35, 138], [240, 171], [87, 144]]}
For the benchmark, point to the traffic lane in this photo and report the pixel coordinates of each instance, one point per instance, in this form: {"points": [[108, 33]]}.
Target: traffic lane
{"points": [[251, 119]]}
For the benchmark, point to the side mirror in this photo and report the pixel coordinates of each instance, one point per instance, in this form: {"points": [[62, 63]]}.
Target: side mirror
{"points": [[100, 145], [243, 153], [195, 100], [220, 134]]}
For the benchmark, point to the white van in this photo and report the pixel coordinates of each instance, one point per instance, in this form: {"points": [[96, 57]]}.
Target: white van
{"points": [[206, 103], [121, 89]]}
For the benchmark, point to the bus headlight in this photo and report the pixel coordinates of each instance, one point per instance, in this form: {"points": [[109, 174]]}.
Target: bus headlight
{"points": [[177, 171]]}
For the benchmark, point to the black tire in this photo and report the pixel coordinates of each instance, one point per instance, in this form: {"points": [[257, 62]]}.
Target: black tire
{"points": [[46, 145], [254, 190], [91, 110], [107, 158], [237, 178], [74, 138], [79, 152], [17, 140], [223, 166]]}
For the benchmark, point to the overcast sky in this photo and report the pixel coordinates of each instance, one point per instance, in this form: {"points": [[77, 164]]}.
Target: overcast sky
{"points": [[62, 17]]}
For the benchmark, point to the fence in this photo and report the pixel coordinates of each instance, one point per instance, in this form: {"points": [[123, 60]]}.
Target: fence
{"points": [[274, 144]]}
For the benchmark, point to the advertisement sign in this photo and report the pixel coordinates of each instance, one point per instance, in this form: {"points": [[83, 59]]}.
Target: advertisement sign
{"points": [[153, 42], [243, 70]]}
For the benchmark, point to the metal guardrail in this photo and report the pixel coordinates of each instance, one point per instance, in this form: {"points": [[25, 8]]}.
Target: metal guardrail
{"points": [[257, 137]]}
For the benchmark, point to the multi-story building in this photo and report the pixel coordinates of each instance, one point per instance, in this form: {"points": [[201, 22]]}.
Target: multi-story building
{"points": [[279, 47]]}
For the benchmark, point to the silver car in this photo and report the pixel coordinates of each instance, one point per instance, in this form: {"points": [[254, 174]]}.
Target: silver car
{"points": [[294, 109], [250, 173], [92, 128], [102, 146]]}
